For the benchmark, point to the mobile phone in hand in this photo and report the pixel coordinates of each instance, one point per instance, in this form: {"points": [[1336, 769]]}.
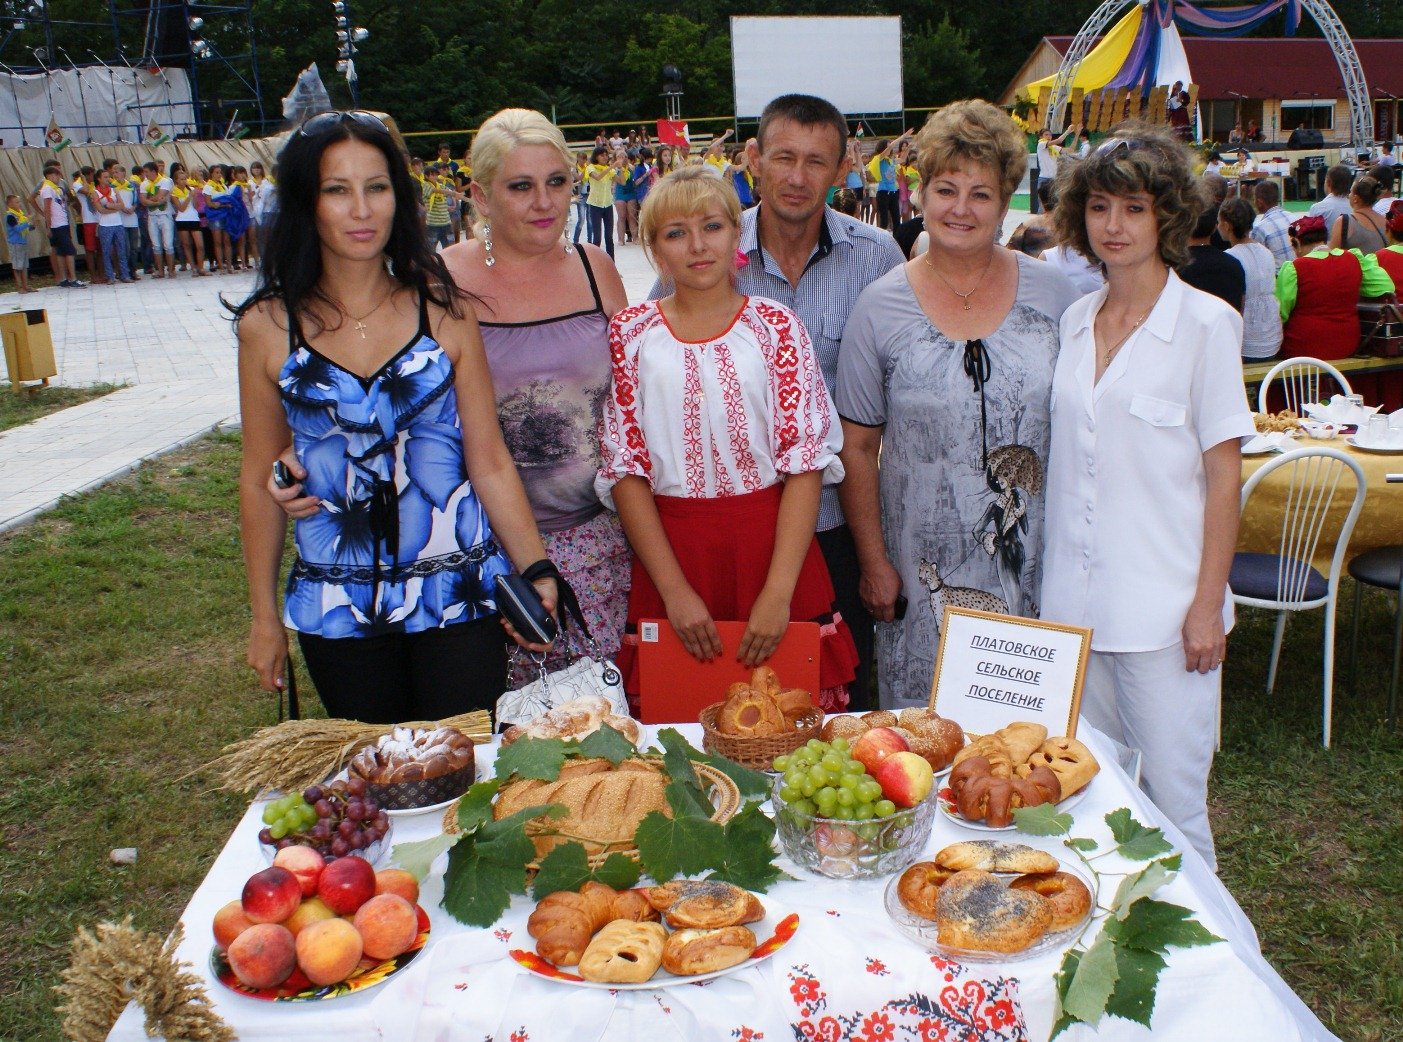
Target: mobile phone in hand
{"points": [[282, 475], [899, 609]]}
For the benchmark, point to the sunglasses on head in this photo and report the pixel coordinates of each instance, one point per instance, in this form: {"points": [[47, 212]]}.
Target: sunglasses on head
{"points": [[1117, 146], [321, 123]]}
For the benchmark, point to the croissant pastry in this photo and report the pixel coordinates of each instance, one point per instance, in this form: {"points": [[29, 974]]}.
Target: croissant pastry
{"points": [[564, 922]]}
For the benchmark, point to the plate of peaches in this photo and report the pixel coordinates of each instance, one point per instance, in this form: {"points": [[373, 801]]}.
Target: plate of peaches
{"points": [[306, 930]]}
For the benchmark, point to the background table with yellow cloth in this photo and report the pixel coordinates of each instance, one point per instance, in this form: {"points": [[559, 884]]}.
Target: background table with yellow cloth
{"points": [[1380, 522]]}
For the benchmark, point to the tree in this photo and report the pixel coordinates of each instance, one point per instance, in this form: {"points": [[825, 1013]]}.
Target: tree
{"points": [[939, 64]]}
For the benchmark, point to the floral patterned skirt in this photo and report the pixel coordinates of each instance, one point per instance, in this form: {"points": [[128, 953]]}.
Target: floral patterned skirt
{"points": [[597, 562]]}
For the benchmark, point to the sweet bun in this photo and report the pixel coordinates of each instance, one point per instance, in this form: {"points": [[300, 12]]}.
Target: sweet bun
{"points": [[1022, 739], [705, 904], [975, 911], [563, 922], [980, 796], [413, 754], [624, 952], [690, 951], [849, 727], [993, 749], [1068, 759], [795, 703], [992, 855], [765, 679], [1066, 895], [879, 718], [919, 887], [751, 713]]}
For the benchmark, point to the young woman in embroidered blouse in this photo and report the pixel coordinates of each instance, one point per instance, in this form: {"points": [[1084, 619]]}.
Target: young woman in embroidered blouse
{"points": [[393, 591], [718, 433], [1145, 470]]}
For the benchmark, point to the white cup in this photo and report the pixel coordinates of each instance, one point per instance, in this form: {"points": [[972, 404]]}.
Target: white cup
{"points": [[1376, 430]]}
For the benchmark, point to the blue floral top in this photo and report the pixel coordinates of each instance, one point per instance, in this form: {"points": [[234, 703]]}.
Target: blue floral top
{"points": [[401, 543]]}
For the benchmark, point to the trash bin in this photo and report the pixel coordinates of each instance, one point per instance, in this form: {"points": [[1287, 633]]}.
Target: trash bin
{"points": [[29, 347]]}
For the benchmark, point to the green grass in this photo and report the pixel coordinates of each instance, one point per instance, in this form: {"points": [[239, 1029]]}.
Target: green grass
{"points": [[122, 626], [35, 401]]}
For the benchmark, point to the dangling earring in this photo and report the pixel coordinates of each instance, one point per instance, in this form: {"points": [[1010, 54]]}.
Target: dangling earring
{"points": [[487, 242], [569, 247]]}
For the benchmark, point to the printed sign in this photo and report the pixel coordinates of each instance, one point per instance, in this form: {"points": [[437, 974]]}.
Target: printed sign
{"points": [[993, 669]]}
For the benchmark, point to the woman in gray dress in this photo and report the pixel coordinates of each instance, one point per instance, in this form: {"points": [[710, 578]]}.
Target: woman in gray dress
{"points": [[945, 375]]}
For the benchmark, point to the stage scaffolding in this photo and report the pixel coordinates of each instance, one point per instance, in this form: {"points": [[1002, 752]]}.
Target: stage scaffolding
{"points": [[141, 44]]}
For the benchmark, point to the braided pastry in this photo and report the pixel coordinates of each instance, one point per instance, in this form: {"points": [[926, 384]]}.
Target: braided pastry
{"points": [[980, 796], [993, 749], [563, 922]]}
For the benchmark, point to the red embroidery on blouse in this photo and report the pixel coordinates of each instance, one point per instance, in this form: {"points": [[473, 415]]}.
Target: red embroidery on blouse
{"points": [[733, 402], [619, 422], [694, 463]]}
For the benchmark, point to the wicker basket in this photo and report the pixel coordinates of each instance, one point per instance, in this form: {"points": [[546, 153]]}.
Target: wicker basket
{"points": [[757, 753], [723, 792]]}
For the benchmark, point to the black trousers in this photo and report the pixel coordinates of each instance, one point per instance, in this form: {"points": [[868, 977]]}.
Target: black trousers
{"points": [[409, 676], [840, 554], [888, 210]]}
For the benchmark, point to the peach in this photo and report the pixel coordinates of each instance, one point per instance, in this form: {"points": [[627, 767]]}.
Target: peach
{"points": [[905, 778], [312, 910], [329, 951], [876, 745], [229, 922], [263, 956], [272, 895], [303, 862], [397, 881], [346, 884], [387, 924]]}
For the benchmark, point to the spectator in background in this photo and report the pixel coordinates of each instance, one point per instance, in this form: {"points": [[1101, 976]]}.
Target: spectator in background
{"points": [[742, 178], [1336, 203], [83, 180], [1215, 190], [133, 225], [107, 204], [187, 221], [1049, 148], [883, 168], [17, 228], [1209, 268], [1272, 228], [603, 171], [1235, 135], [1253, 133], [1390, 258], [154, 192], [1384, 176], [1360, 229], [58, 226], [1318, 293], [264, 204], [1261, 315], [215, 191], [439, 201]]}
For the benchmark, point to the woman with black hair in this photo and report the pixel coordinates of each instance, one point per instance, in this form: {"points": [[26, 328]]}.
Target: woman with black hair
{"points": [[392, 592]]}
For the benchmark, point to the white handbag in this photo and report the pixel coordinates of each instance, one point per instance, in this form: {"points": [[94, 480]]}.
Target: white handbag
{"points": [[590, 674]]}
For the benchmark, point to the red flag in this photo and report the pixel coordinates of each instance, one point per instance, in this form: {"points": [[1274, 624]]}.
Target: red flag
{"points": [[674, 132]]}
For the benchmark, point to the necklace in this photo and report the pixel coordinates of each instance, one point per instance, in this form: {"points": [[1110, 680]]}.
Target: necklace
{"points": [[1111, 352], [964, 297], [361, 327]]}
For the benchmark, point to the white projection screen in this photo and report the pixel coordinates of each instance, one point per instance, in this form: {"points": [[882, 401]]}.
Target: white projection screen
{"points": [[853, 62]]}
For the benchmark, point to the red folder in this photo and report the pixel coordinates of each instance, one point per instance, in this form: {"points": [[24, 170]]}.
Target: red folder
{"points": [[674, 687]]}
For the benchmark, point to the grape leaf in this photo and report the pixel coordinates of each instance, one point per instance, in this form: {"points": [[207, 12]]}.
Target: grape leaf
{"points": [[1142, 884], [487, 866], [752, 784], [539, 758], [668, 847], [1134, 995], [677, 757], [418, 857], [608, 743], [475, 806], [1042, 820], [1062, 1020], [748, 851], [687, 801], [618, 871], [1133, 840], [1155, 926], [1092, 983], [1082, 843], [566, 867]]}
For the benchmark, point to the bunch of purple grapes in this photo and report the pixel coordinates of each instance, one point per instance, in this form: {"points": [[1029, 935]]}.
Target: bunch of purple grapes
{"points": [[335, 819]]}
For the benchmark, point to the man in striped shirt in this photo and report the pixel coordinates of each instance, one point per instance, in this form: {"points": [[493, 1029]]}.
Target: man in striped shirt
{"points": [[438, 196], [815, 261], [1273, 224]]}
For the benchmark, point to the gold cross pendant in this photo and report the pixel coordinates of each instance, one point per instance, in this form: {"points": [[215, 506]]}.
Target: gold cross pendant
{"points": [[361, 327]]}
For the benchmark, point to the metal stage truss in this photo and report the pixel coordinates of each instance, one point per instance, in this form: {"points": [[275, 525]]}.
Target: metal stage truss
{"points": [[141, 44]]}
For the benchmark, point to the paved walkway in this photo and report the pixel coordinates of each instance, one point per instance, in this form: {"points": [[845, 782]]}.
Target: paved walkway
{"points": [[172, 344]]}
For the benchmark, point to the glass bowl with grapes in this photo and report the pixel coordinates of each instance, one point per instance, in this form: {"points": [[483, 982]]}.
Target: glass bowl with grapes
{"points": [[337, 819], [833, 819]]}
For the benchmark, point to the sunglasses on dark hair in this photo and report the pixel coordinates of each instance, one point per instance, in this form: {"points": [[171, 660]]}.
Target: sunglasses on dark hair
{"points": [[323, 122]]}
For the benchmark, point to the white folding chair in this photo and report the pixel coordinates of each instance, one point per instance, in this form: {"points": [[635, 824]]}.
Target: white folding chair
{"points": [[1286, 581], [1300, 382]]}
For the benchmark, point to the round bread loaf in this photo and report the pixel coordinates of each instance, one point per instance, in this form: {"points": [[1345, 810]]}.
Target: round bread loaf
{"points": [[977, 912]]}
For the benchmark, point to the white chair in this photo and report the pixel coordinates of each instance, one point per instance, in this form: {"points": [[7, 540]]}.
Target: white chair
{"points": [[1300, 379], [1286, 581]]}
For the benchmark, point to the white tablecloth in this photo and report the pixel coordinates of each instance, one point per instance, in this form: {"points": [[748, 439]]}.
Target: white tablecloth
{"points": [[848, 973]]}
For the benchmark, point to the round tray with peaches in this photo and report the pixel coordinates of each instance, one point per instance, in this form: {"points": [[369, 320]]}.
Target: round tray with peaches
{"points": [[306, 928]]}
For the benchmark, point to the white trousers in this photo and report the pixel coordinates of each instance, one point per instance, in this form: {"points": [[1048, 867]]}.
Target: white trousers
{"points": [[1146, 700]]}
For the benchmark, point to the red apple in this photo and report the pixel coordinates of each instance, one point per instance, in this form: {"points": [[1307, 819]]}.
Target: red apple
{"points": [[905, 778], [876, 745], [346, 884], [303, 862], [271, 896]]}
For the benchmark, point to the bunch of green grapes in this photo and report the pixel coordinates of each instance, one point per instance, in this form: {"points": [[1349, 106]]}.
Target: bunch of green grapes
{"points": [[287, 816], [821, 779]]}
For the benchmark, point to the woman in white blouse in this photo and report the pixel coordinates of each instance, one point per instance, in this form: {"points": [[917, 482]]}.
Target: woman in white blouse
{"points": [[1261, 311], [1142, 497]]}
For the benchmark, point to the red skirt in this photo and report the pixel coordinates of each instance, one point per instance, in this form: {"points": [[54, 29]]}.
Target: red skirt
{"points": [[724, 547]]}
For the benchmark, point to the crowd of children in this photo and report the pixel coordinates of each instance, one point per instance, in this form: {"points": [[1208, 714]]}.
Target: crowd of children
{"points": [[148, 220]]}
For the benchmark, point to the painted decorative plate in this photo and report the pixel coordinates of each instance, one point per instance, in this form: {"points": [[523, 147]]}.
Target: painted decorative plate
{"points": [[298, 988], [777, 928]]}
